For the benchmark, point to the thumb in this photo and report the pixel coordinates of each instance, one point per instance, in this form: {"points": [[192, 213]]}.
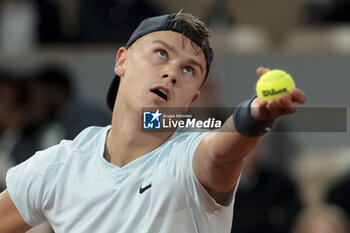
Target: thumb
{"points": [[262, 70]]}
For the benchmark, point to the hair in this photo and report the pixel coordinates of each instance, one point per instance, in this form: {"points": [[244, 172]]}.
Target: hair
{"points": [[193, 27]]}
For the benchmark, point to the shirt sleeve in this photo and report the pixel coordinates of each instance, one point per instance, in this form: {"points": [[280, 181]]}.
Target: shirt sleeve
{"points": [[25, 184], [184, 173]]}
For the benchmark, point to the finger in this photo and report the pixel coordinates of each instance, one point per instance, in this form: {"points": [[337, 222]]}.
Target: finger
{"points": [[259, 110], [274, 109], [297, 96], [262, 70], [287, 105], [258, 103]]}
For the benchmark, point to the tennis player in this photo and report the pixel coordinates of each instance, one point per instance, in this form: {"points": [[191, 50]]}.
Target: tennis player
{"points": [[122, 179]]}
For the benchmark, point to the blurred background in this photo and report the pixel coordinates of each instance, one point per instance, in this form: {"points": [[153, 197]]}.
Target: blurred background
{"points": [[56, 64]]}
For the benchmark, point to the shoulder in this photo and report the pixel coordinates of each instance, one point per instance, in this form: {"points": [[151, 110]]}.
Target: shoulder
{"points": [[181, 146], [31, 184], [187, 139], [86, 142], [89, 139], [187, 135]]}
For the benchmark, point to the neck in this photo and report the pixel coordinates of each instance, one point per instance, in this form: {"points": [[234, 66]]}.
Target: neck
{"points": [[126, 141]]}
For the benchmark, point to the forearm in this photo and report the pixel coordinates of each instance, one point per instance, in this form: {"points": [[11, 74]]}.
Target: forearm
{"points": [[239, 135], [219, 158], [226, 146], [11, 220]]}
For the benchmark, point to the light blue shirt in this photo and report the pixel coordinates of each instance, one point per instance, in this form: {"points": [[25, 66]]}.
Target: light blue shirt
{"points": [[77, 190]]}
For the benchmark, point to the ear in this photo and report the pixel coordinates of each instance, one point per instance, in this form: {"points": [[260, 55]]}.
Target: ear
{"points": [[119, 68], [195, 97]]}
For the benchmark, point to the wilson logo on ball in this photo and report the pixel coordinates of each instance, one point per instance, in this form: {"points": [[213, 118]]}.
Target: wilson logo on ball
{"points": [[272, 92]]}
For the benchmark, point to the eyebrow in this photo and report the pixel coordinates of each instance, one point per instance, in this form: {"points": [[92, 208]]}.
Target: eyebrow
{"points": [[173, 49]]}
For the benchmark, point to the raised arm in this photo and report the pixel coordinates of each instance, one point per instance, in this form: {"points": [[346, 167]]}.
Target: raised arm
{"points": [[218, 160], [10, 219]]}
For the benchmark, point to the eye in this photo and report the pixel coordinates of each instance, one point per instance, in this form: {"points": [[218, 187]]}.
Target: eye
{"points": [[163, 54], [188, 70]]}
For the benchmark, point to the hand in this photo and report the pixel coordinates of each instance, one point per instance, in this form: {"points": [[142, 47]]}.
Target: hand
{"points": [[262, 110]]}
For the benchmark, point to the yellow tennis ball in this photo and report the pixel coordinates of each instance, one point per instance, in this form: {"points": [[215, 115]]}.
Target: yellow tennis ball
{"points": [[274, 83]]}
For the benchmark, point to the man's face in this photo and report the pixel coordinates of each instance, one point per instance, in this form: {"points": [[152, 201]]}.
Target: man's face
{"points": [[161, 69]]}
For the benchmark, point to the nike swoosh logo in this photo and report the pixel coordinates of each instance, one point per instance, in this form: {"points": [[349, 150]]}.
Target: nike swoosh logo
{"points": [[144, 188]]}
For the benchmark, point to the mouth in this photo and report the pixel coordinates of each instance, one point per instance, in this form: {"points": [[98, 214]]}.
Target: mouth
{"points": [[162, 92]]}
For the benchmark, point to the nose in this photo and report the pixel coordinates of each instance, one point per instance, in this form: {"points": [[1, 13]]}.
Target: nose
{"points": [[173, 79], [172, 73]]}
